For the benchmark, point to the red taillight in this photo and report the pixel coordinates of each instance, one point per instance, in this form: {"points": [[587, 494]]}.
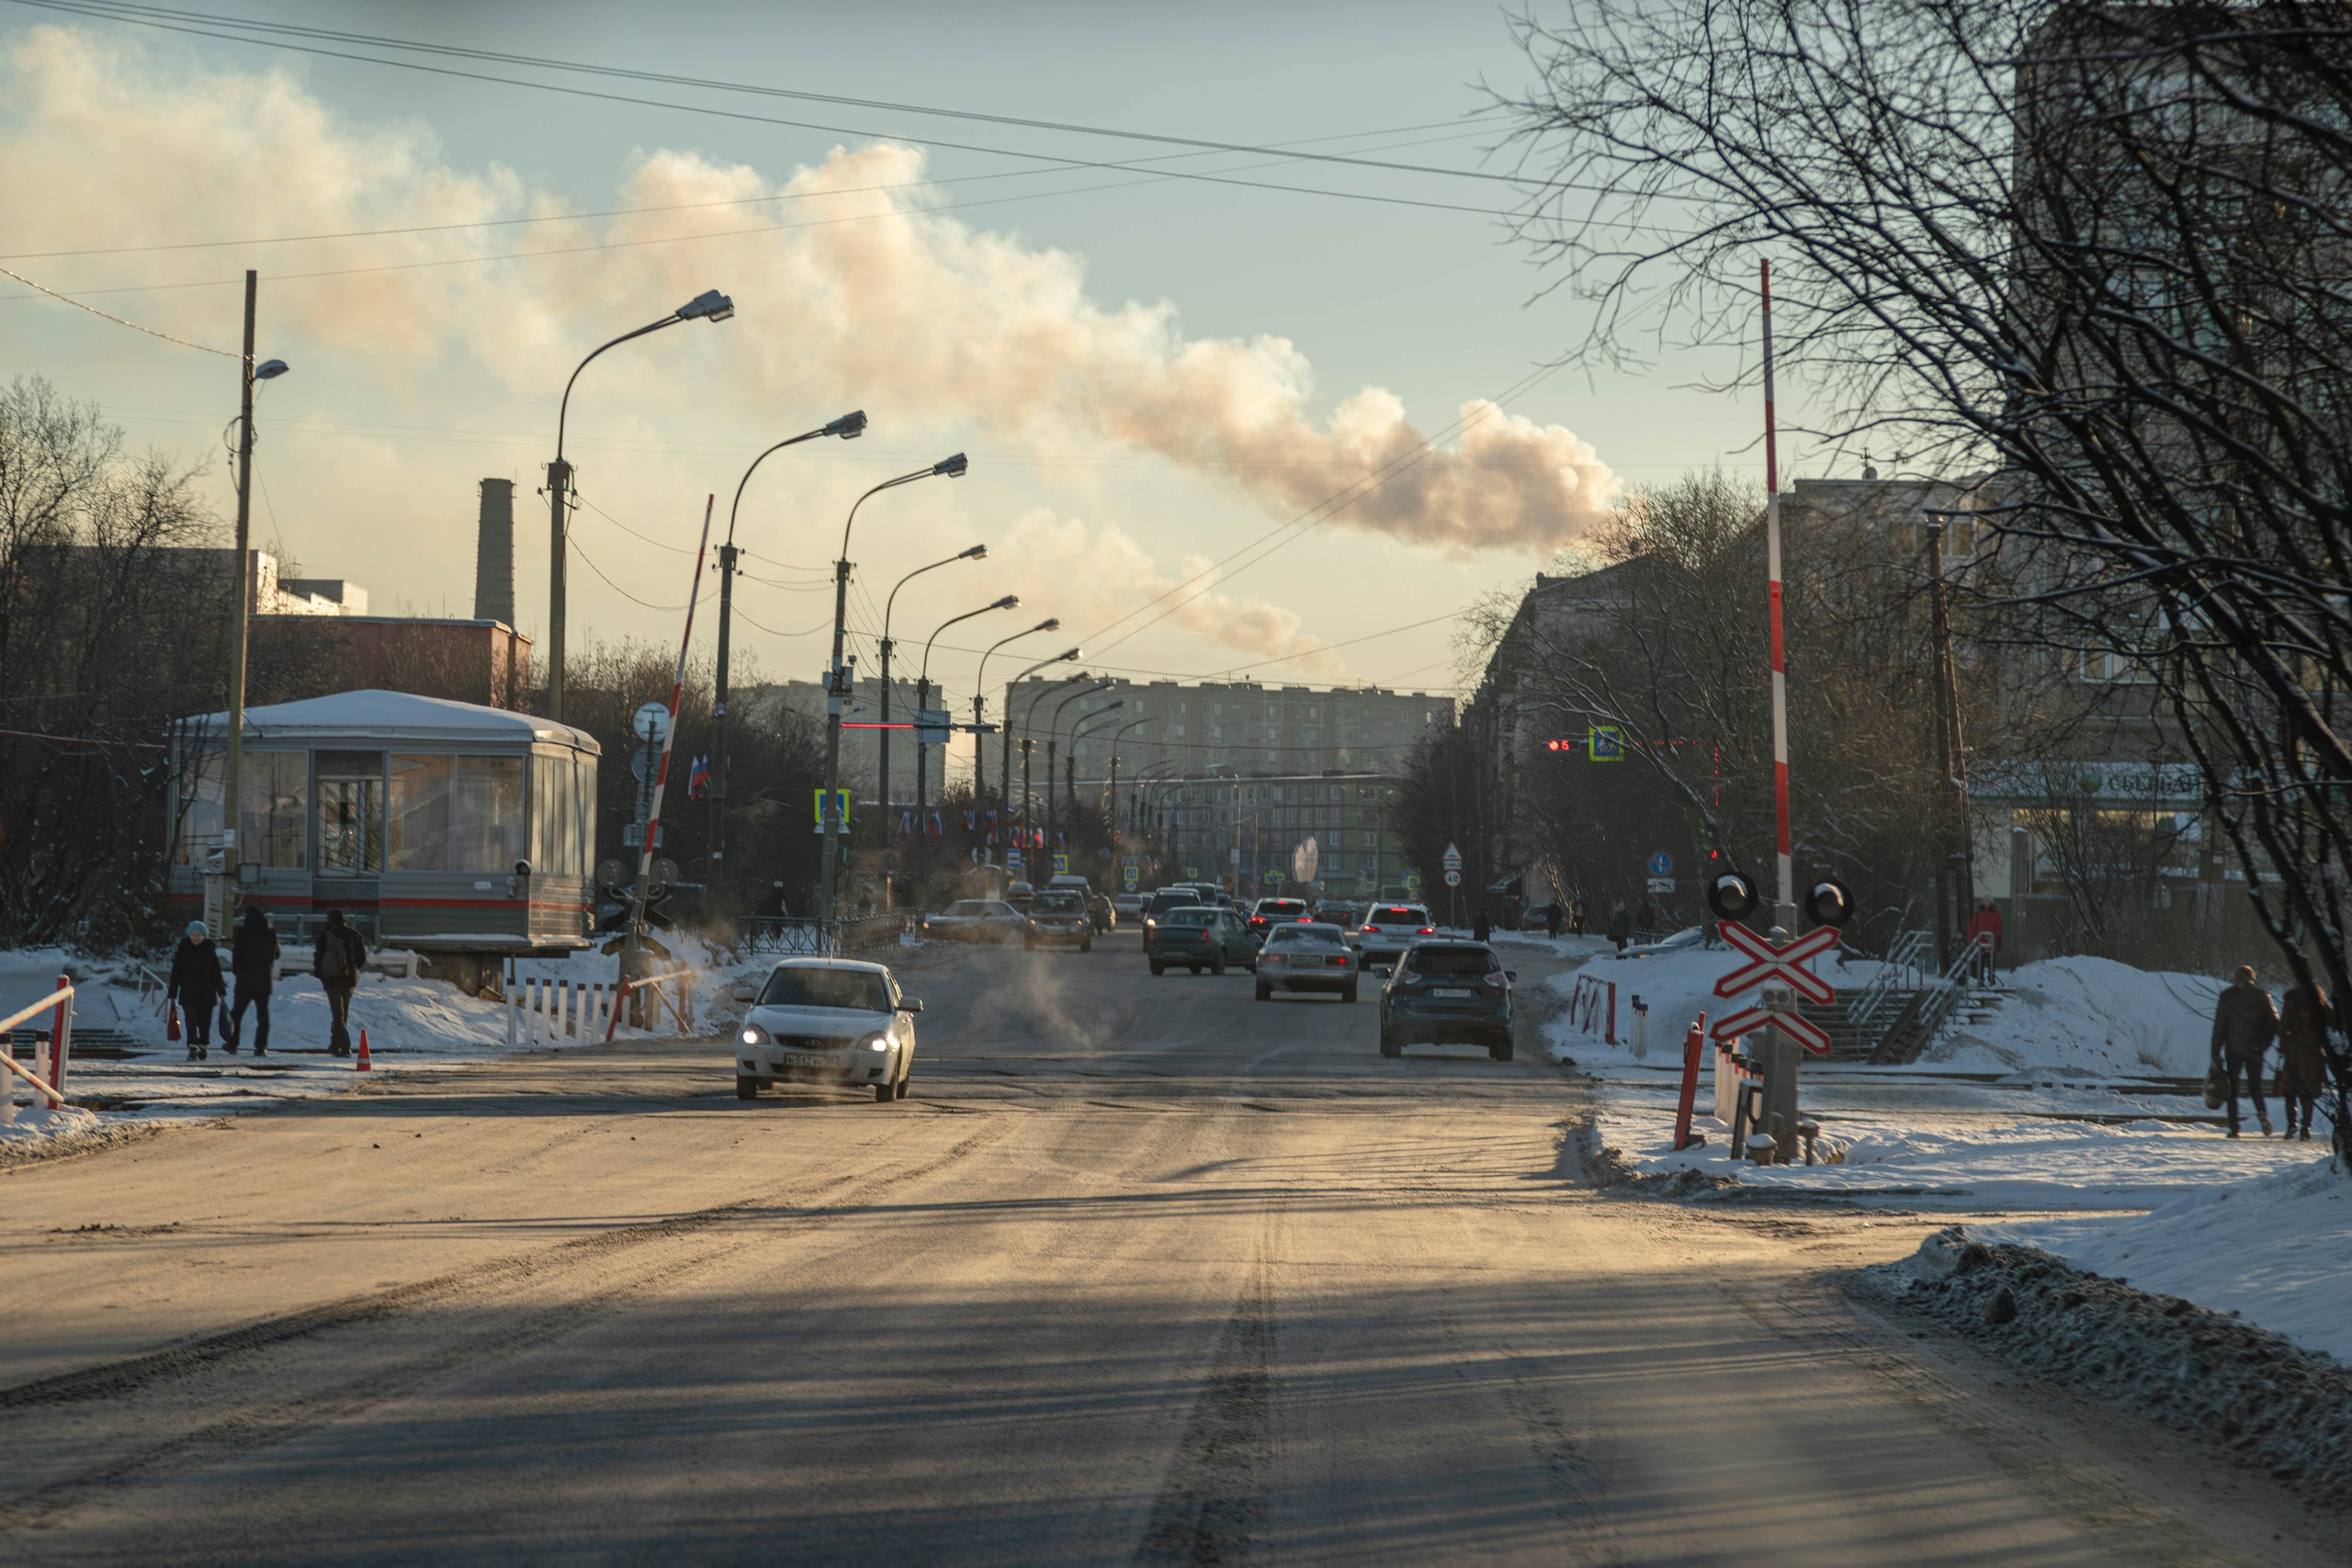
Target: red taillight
{"points": [[1373, 930], [1426, 930], [1495, 979], [1306, 919], [1338, 958]]}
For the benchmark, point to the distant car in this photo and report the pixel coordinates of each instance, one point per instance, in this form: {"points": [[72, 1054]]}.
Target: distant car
{"points": [[1447, 993], [1196, 937], [827, 1021], [976, 920], [1343, 913], [1168, 899], [1688, 937], [1059, 915], [1268, 912], [1312, 956], [1130, 906], [1019, 894], [1388, 930]]}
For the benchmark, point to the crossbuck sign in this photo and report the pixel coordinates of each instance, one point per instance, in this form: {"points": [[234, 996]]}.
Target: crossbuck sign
{"points": [[1769, 965]]}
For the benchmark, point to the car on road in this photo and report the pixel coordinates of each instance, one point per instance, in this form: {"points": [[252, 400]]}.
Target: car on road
{"points": [[1018, 894], [1312, 956], [1447, 993], [1098, 908], [835, 1021], [1059, 915], [1343, 913], [1130, 906], [1168, 899], [1268, 912], [1196, 937], [1688, 937], [1388, 930], [977, 920]]}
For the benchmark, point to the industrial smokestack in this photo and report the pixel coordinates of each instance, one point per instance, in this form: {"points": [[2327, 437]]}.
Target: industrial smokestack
{"points": [[494, 554]]}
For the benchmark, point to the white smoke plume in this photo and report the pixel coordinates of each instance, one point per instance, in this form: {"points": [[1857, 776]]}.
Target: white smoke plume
{"points": [[1094, 575], [852, 291]]}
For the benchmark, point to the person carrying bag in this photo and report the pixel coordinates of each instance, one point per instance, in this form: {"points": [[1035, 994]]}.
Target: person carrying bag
{"points": [[336, 956]]}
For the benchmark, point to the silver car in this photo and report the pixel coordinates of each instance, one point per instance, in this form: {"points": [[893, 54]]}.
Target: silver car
{"points": [[1311, 957], [977, 920], [1388, 930], [834, 1022]]}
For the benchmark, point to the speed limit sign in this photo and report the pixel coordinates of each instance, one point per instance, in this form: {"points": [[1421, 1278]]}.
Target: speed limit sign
{"points": [[1453, 879]]}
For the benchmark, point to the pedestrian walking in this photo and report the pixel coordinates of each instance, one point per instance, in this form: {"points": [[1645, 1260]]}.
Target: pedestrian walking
{"points": [[2303, 1023], [337, 954], [1621, 926], [195, 984], [1552, 920], [1985, 923], [1482, 929], [2244, 1022], [253, 959]]}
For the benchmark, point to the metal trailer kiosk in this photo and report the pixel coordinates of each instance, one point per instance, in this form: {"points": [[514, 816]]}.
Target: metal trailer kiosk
{"points": [[461, 832]]}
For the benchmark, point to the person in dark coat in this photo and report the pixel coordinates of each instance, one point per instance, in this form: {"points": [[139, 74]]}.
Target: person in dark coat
{"points": [[2244, 1022], [1552, 920], [253, 959], [2303, 1023], [1621, 926], [195, 984], [335, 958], [1482, 929]]}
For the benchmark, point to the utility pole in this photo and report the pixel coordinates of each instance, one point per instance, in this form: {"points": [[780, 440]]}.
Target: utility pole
{"points": [[233, 785], [1956, 877], [1784, 909], [1028, 847]]}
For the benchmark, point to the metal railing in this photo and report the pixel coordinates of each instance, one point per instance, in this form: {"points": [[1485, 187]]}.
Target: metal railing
{"points": [[760, 936], [1903, 969], [1916, 1027]]}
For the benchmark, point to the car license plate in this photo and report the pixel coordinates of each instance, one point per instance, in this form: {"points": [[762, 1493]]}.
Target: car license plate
{"points": [[804, 1059], [1452, 991]]}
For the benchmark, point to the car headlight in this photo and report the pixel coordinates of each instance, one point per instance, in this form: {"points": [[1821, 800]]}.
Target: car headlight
{"points": [[754, 1035], [874, 1043]]}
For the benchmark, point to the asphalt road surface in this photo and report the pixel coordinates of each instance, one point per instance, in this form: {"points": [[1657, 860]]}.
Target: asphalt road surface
{"points": [[1144, 1272]]}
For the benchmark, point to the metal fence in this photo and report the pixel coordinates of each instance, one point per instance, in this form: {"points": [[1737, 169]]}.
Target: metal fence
{"points": [[781, 936]]}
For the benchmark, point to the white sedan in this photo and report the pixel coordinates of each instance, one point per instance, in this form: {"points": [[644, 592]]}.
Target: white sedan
{"points": [[827, 1021]]}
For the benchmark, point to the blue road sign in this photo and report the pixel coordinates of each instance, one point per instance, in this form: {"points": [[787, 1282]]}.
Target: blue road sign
{"points": [[1661, 865]]}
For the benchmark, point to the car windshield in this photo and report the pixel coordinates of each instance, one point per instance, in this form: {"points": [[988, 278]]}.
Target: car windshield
{"points": [[1191, 915], [1065, 903], [1397, 915], [859, 990], [1304, 936], [1444, 961], [968, 907]]}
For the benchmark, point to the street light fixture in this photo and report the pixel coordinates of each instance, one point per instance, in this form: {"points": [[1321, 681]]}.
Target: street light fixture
{"points": [[980, 710], [1052, 732], [1068, 656], [1070, 758], [849, 427], [889, 606], [1111, 790], [952, 467], [923, 753], [708, 306]]}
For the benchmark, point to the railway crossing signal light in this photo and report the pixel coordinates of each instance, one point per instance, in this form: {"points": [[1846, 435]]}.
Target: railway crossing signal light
{"points": [[1732, 896], [1829, 902]]}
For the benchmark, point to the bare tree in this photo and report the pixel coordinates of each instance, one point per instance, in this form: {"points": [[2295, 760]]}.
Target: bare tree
{"points": [[2097, 251]]}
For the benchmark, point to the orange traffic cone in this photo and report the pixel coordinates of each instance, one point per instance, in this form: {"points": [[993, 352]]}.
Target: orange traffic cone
{"points": [[364, 1064]]}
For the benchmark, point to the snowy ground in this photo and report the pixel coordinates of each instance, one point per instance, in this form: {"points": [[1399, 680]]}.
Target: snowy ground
{"points": [[2074, 1107], [412, 1025]]}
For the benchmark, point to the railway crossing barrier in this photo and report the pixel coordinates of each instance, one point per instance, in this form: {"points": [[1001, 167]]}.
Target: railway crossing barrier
{"points": [[47, 1075]]}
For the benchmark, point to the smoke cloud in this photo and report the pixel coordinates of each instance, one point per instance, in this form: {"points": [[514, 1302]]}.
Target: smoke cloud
{"points": [[855, 289]]}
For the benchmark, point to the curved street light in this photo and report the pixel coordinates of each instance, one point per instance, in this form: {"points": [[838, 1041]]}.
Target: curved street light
{"points": [[923, 752], [953, 467], [1053, 733], [889, 608], [849, 427], [1069, 757], [979, 707], [1004, 795], [708, 306], [1110, 788]]}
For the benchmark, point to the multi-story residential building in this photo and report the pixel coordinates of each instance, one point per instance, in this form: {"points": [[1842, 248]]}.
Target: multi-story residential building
{"points": [[1249, 830]]}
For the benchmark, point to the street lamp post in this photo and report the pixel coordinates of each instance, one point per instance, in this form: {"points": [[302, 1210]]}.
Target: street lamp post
{"points": [[1070, 758], [849, 427], [1053, 745], [708, 306], [979, 711], [1110, 788], [978, 552], [232, 801], [1066, 656], [923, 752], [953, 467]]}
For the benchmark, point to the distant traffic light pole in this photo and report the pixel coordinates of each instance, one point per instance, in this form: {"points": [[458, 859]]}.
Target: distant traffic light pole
{"points": [[708, 306]]}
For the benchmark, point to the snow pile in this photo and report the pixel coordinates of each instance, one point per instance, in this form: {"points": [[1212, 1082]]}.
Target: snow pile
{"points": [[1957, 1159], [2091, 1014], [2276, 1249], [36, 1122]]}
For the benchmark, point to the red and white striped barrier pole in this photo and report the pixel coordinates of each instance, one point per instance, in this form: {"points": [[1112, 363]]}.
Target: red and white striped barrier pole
{"points": [[1786, 908], [60, 1034], [1612, 1014], [1693, 1047]]}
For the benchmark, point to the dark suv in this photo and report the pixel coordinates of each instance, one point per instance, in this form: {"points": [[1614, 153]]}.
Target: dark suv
{"points": [[1271, 911], [1447, 993], [1196, 937]]}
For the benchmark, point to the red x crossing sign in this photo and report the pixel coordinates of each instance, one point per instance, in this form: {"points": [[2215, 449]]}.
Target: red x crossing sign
{"points": [[1784, 964], [1804, 1031]]}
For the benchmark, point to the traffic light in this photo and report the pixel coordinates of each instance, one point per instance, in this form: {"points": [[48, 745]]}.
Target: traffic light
{"points": [[1829, 902], [1732, 896]]}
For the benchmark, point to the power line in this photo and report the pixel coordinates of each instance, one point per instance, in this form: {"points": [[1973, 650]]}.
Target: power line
{"points": [[118, 321], [573, 542]]}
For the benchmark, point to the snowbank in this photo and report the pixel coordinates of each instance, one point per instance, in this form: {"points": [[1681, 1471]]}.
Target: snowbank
{"points": [[2276, 1249], [35, 1122]]}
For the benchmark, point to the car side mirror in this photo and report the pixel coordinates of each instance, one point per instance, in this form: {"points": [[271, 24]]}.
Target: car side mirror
{"points": [[1510, 973], [910, 1004]]}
